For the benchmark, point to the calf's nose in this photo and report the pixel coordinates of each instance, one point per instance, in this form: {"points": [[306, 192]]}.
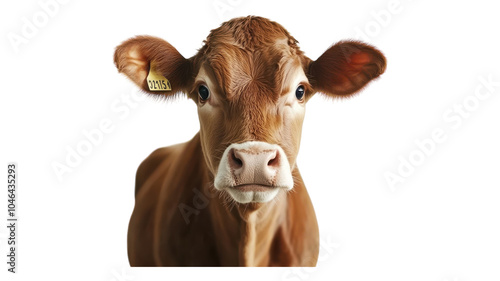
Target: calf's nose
{"points": [[254, 166]]}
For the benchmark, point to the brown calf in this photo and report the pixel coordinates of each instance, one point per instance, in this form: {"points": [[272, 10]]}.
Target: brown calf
{"points": [[233, 195]]}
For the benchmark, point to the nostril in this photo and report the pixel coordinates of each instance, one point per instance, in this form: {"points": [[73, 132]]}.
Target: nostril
{"points": [[274, 161], [234, 160]]}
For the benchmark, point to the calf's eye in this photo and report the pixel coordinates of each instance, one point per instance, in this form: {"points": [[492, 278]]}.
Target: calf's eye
{"points": [[203, 92], [299, 93]]}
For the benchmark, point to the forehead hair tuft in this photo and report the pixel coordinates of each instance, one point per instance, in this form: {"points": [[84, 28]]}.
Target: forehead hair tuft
{"points": [[250, 50]]}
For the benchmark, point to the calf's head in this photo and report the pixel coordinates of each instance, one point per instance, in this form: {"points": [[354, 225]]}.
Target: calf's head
{"points": [[250, 82]]}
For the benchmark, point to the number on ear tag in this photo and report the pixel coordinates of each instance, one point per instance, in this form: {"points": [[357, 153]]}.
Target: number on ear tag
{"points": [[156, 81]]}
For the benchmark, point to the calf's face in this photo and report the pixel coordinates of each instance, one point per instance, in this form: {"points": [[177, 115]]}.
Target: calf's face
{"points": [[251, 106], [251, 82]]}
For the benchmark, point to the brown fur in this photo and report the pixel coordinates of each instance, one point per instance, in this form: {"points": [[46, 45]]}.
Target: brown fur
{"points": [[252, 61]]}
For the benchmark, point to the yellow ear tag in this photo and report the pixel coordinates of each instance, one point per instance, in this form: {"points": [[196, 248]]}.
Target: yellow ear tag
{"points": [[156, 81]]}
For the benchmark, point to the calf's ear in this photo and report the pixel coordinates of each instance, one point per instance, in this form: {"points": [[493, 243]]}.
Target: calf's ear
{"points": [[154, 65], [345, 68]]}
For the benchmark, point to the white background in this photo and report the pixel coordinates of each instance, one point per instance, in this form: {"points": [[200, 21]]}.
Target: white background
{"points": [[441, 223]]}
